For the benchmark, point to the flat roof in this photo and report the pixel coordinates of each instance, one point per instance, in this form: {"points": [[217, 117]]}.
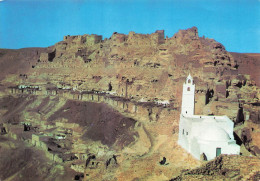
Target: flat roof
{"points": [[201, 118]]}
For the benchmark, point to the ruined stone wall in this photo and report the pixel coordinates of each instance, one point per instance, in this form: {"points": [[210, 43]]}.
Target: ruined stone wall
{"points": [[146, 112]]}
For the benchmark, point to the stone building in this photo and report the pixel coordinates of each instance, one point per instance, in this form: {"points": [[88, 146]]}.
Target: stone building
{"points": [[204, 136]]}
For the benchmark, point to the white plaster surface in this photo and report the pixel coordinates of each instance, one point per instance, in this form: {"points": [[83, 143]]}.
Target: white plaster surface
{"points": [[200, 134]]}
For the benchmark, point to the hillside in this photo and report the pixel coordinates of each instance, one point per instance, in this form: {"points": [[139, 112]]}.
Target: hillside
{"points": [[109, 108]]}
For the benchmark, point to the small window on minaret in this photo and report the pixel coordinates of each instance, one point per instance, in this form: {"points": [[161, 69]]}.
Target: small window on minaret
{"points": [[183, 131], [189, 81], [188, 89]]}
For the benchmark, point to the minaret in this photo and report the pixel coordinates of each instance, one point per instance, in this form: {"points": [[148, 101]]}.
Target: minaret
{"points": [[188, 96]]}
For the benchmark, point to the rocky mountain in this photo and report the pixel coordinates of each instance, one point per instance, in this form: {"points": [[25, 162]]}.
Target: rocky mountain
{"points": [[117, 100]]}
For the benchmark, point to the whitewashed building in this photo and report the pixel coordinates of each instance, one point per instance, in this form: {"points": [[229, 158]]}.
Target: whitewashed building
{"points": [[204, 136]]}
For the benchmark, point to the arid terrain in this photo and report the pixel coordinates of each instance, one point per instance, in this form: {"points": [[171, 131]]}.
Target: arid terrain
{"points": [[89, 108]]}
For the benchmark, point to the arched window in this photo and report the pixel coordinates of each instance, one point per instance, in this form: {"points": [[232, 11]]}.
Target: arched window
{"points": [[189, 81], [188, 89]]}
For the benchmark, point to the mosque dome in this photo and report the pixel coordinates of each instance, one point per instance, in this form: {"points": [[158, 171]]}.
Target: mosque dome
{"points": [[213, 133]]}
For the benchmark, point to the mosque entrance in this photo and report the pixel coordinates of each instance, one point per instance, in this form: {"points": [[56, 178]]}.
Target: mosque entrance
{"points": [[218, 151]]}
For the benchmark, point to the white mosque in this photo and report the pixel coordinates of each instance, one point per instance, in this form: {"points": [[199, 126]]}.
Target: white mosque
{"points": [[207, 136]]}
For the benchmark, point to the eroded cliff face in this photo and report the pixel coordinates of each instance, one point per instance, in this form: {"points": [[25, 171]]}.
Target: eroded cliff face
{"points": [[141, 77]]}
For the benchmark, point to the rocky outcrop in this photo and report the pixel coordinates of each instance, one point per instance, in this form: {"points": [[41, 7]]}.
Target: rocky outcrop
{"points": [[224, 167]]}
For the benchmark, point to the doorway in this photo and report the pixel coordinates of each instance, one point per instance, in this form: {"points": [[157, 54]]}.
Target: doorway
{"points": [[218, 151]]}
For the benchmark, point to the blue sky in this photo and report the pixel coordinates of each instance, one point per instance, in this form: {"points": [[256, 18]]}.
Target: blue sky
{"points": [[42, 23]]}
